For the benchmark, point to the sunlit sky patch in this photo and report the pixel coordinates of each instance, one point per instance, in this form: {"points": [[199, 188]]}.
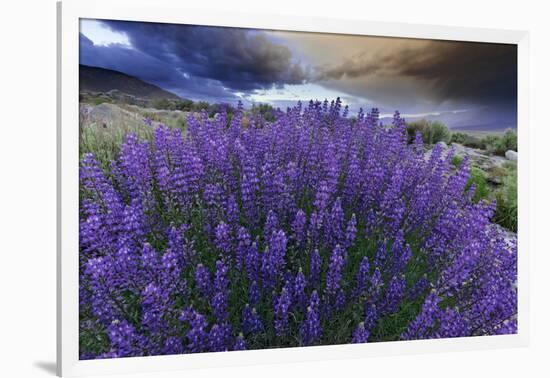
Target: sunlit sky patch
{"points": [[101, 35]]}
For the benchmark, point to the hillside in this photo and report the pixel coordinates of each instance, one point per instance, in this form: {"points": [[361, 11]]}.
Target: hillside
{"points": [[95, 79]]}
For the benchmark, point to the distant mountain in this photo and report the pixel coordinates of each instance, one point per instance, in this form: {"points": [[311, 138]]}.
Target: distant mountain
{"points": [[95, 79]]}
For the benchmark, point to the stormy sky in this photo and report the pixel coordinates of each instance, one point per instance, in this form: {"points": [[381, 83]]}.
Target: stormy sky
{"points": [[463, 83]]}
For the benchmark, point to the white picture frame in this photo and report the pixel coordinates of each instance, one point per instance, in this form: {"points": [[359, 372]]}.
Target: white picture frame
{"points": [[165, 11]]}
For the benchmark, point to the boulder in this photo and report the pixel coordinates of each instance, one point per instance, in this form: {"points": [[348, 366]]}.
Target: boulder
{"points": [[442, 144], [511, 155], [459, 148]]}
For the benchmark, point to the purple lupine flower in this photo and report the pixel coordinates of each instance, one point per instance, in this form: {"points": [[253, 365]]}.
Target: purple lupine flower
{"points": [[240, 343], [273, 259], [335, 233], [375, 283], [243, 247], [223, 239], [315, 224], [271, 225], [315, 268], [334, 274], [299, 227], [154, 305], [401, 254], [360, 335], [124, 339], [341, 300], [162, 206], [393, 295], [419, 328], [232, 212], [381, 256], [310, 330], [351, 231], [219, 338], [254, 263], [221, 294], [281, 308], [203, 280], [419, 287], [254, 294], [197, 338], [362, 278], [371, 316], [251, 321], [173, 345], [451, 324], [179, 245], [299, 290], [323, 196]]}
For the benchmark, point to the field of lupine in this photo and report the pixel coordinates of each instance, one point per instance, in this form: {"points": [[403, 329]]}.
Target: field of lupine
{"points": [[313, 229]]}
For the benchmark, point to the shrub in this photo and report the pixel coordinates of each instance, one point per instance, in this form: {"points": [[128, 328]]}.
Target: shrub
{"points": [[439, 132], [460, 138], [310, 230], [265, 110], [200, 106], [506, 213], [431, 131], [479, 179], [500, 144], [467, 140], [163, 104], [457, 160], [184, 105]]}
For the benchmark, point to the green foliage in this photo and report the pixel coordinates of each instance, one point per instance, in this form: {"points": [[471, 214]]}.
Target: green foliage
{"points": [[200, 106], [104, 140], [184, 105], [506, 213], [102, 100], [498, 145], [466, 140], [265, 110], [439, 132], [479, 179], [214, 109], [457, 160], [163, 103], [92, 336], [431, 131]]}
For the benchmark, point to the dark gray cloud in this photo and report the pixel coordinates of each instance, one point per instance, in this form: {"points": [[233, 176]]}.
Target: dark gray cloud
{"points": [[240, 59], [220, 64], [463, 71], [136, 63]]}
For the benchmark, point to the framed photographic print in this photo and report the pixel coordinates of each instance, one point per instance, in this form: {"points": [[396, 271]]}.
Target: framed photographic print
{"points": [[238, 188]]}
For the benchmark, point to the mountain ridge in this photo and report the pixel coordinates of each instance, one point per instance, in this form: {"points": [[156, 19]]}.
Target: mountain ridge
{"points": [[98, 79]]}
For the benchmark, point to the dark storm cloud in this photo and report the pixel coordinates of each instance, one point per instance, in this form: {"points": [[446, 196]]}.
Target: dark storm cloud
{"points": [[470, 72], [133, 62], [240, 59]]}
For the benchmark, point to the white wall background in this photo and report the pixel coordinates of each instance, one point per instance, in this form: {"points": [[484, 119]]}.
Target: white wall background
{"points": [[27, 187]]}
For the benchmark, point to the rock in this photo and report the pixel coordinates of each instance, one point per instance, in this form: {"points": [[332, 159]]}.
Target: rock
{"points": [[476, 157], [511, 155], [442, 144], [493, 179], [479, 158], [459, 148]]}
